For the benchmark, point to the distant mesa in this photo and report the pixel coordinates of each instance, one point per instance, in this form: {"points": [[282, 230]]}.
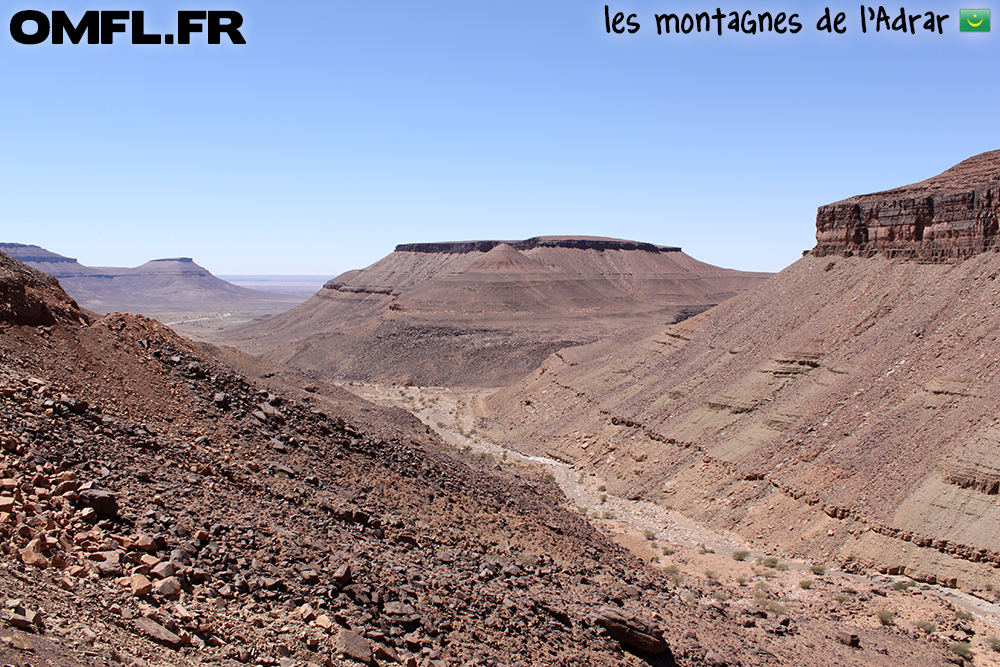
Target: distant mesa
{"points": [[158, 286], [953, 215], [487, 312]]}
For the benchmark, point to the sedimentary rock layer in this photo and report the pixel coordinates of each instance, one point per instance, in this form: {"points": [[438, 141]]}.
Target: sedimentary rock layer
{"points": [[951, 216]]}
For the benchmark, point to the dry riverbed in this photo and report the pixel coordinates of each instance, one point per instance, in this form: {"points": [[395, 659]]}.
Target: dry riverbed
{"points": [[712, 564]]}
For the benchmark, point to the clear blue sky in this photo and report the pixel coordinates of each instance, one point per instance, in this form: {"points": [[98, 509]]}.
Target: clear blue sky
{"points": [[344, 128]]}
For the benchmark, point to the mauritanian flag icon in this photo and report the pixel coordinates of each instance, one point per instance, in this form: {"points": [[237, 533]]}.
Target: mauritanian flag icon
{"points": [[975, 20]]}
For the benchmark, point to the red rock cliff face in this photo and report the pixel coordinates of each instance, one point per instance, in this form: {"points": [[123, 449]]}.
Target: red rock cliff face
{"points": [[951, 216]]}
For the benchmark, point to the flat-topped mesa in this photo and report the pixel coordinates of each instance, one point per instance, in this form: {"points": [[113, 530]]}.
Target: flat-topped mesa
{"points": [[33, 253], [598, 243], [951, 216]]}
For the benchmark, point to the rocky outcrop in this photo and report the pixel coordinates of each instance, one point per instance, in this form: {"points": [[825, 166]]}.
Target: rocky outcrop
{"points": [[951, 216], [29, 297], [631, 630]]}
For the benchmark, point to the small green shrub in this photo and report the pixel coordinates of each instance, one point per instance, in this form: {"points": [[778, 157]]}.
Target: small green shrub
{"points": [[740, 555], [604, 498], [721, 595], [840, 597], [549, 476], [602, 488], [885, 617], [963, 615], [741, 581], [702, 549], [712, 574], [776, 608], [667, 551], [440, 424], [926, 627], [994, 643], [805, 584], [849, 590], [818, 570], [903, 585], [782, 567], [769, 574], [963, 649], [649, 534], [675, 574]]}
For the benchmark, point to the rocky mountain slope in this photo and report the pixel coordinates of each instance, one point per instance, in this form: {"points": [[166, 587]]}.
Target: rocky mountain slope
{"points": [[483, 313], [844, 411], [157, 287], [159, 507]]}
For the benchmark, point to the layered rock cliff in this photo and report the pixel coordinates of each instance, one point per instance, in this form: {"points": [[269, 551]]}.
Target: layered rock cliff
{"points": [[951, 216]]}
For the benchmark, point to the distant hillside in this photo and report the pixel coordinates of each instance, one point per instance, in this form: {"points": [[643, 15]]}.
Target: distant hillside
{"points": [[844, 411], [483, 313], [155, 287]]}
